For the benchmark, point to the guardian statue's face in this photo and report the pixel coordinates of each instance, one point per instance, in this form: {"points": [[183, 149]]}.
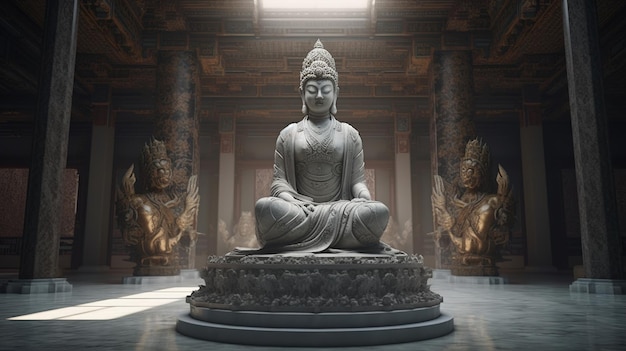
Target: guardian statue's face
{"points": [[160, 174], [470, 174], [319, 95]]}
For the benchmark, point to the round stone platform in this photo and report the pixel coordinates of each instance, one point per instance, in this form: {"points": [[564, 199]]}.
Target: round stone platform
{"points": [[338, 299], [315, 329]]}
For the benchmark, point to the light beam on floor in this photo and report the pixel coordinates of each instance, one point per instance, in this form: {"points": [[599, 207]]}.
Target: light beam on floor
{"points": [[111, 308]]}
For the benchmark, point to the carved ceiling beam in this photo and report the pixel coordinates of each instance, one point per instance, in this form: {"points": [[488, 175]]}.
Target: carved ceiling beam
{"points": [[492, 80], [96, 69], [541, 68], [509, 17], [118, 22], [427, 9], [91, 68], [205, 44], [513, 24]]}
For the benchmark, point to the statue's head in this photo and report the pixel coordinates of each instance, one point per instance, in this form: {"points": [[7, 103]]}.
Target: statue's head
{"points": [[156, 165], [474, 164], [319, 71]]}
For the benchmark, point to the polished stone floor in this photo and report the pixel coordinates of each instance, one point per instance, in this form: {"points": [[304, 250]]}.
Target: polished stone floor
{"points": [[531, 312]]}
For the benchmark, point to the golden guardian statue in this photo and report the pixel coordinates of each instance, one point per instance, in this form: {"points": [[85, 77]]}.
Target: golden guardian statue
{"points": [[152, 222], [475, 222]]}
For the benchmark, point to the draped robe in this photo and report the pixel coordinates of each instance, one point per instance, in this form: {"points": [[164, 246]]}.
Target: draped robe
{"points": [[309, 225]]}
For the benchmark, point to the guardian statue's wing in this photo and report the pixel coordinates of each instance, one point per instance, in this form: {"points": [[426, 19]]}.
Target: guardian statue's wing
{"points": [[506, 202]]}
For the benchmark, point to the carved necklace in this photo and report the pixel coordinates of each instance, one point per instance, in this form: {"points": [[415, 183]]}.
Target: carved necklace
{"points": [[319, 130], [320, 141]]}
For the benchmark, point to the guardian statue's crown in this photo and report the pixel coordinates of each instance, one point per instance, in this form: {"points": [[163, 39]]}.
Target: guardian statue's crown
{"points": [[476, 150], [153, 151]]}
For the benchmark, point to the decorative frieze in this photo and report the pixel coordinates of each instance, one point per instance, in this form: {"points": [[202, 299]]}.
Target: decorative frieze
{"points": [[315, 283]]}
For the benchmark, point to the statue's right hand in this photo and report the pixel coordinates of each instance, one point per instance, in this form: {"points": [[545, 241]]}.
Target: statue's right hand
{"points": [[306, 204]]}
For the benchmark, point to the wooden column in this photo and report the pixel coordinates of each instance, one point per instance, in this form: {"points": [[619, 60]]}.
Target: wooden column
{"points": [[177, 105], [39, 261], [601, 242], [453, 122]]}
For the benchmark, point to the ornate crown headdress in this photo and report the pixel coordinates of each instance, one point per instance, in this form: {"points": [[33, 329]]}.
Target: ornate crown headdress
{"points": [[318, 64], [153, 150], [475, 150]]}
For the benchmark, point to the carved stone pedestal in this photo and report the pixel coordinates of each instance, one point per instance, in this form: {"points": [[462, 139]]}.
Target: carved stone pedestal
{"points": [[328, 299]]}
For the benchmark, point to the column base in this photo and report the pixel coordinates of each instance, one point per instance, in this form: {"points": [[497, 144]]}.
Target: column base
{"points": [[598, 286], [38, 286]]}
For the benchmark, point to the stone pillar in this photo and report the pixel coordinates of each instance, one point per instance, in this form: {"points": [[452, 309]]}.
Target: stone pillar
{"points": [[39, 261], [226, 193], [452, 124], [404, 202], [98, 216], [537, 219], [601, 245], [177, 105]]}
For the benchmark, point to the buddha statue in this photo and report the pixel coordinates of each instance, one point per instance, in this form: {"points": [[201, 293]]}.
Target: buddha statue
{"points": [[153, 222], [477, 223], [319, 200]]}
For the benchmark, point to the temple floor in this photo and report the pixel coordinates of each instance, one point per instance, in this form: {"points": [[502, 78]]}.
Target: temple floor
{"points": [[531, 312]]}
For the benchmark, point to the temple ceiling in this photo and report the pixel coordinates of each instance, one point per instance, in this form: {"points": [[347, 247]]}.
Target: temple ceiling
{"points": [[250, 57]]}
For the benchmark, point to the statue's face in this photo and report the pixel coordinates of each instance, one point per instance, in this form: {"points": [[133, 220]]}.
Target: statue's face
{"points": [[161, 174], [319, 95], [470, 174]]}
